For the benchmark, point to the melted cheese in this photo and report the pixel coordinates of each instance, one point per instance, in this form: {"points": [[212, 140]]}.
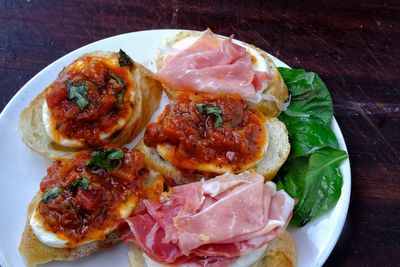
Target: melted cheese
{"points": [[53, 134], [64, 141], [167, 152], [59, 240], [46, 237]]}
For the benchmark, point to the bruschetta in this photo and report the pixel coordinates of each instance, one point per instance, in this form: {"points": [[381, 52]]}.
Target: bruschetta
{"points": [[101, 98], [206, 62], [201, 135], [214, 223], [81, 201]]}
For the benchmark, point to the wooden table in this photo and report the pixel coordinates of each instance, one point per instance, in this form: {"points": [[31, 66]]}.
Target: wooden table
{"points": [[355, 47]]}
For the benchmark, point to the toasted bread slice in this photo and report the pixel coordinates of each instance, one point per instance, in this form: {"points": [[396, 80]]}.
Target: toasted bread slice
{"points": [[147, 96], [277, 152], [276, 87], [280, 253], [278, 149], [35, 252]]}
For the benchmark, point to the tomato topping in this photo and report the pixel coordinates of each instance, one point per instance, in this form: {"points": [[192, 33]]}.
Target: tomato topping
{"points": [[55, 97], [220, 130], [89, 198], [87, 99]]}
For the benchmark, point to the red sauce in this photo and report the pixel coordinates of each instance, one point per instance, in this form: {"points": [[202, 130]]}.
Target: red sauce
{"points": [[78, 213], [102, 112], [239, 140]]}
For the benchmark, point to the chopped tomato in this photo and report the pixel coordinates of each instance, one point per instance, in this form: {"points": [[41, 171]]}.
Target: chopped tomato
{"points": [[84, 207], [239, 139], [103, 85]]}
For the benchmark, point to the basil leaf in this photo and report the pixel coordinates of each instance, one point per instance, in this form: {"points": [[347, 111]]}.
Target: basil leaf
{"points": [[106, 160], [115, 154], [75, 184], [120, 96], [79, 181], [78, 93], [307, 135], [309, 95], [85, 184], [315, 182], [52, 193], [124, 59], [211, 110], [311, 174]]}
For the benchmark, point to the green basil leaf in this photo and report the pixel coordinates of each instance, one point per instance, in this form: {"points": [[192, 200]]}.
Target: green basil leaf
{"points": [[315, 182], [75, 184], [120, 96], [85, 184], [78, 93], [311, 174], [309, 95], [218, 121], [115, 154], [79, 181], [52, 193], [211, 110], [307, 135], [124, 59], [106, 160]]}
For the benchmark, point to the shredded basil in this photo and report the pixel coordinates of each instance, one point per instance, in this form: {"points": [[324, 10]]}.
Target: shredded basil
{"points": [[52, 193], [80, 181], [124, 59], [120, 96], [85, 184], [210, 110], [107, 160], [78, 93]]}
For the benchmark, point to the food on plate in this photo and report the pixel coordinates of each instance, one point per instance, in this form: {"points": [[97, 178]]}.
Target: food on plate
{"points": [[206, 62], [201, 135], [81, 201], [99, 99], [224, 135], [230, 220], [311, 174]]}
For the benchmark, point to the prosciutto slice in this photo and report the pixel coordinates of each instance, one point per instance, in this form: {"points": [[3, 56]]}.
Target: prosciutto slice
{"points": [[210, 222], [212, 65]]}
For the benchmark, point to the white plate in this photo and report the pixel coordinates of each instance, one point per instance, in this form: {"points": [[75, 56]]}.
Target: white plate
{"points": [[21, 170]]}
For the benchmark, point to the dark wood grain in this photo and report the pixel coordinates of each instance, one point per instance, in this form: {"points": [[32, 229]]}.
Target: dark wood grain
{"points": [[353, 45]]}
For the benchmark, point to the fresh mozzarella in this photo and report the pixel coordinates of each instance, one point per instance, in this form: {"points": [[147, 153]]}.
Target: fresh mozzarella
{"points": [[56, 137], [49, 124], [60, 241], [72, 142], [46, 237], [167, 152]]}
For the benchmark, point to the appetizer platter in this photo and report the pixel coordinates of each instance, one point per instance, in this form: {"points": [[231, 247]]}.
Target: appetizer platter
{"points": [[171, 148]]}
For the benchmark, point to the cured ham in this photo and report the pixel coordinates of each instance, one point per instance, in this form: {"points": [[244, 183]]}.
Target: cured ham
{"points": [[210, 222], [212, 65]]}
